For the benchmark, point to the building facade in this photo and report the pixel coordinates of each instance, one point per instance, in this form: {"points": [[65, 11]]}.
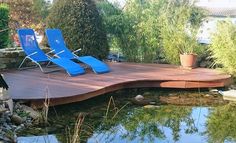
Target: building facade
{"points": [[219, 10]]}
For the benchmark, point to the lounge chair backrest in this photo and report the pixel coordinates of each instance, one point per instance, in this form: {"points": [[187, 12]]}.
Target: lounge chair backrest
{"points": [[30, 45], [57, 43]]}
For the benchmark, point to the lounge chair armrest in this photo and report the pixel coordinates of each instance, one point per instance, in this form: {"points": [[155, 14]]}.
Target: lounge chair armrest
{"points": [[32, 54], [50, 52], [77, 51], [56, 55]]}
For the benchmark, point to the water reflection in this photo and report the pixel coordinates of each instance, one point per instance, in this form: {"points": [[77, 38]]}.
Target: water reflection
{"points": [[221, 124], [163, 124]]}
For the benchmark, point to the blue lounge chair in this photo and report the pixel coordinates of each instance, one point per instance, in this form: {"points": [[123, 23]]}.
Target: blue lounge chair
{"points": [[57, 44], [36, 55]]}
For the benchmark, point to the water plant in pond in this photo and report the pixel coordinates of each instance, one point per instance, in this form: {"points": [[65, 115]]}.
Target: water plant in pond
{"points": [[75, 137], [46, 105], [115, 110]]}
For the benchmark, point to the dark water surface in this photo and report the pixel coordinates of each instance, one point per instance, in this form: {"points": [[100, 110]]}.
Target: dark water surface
{"points": [[125, 122]]}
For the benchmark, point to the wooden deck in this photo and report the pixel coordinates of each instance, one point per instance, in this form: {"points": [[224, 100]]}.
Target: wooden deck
{"points": [[34, 86]]}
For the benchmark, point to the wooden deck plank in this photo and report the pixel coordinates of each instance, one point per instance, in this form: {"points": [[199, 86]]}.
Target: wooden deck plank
{"points": [[33, 85]]}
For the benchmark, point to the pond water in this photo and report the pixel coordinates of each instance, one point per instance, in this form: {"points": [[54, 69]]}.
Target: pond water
{"points": [[121, 121], [165, 124]]}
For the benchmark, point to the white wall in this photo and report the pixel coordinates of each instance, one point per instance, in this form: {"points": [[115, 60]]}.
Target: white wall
{"points": [[217, 3], [208, 27]]}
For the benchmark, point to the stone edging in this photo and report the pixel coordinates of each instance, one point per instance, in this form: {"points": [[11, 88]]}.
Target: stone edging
{"points": [[12, 57]]}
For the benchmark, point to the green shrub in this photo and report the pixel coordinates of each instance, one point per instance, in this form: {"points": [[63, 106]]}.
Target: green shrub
{"points": [[81, 25], [111, 16], [134, 30], [4, 29], [146, 23], [223, 47], [180, 22], [150, 31]]}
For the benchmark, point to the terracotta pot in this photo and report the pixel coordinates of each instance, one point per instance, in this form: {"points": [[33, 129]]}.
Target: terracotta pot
{"points": [[188, 60]]}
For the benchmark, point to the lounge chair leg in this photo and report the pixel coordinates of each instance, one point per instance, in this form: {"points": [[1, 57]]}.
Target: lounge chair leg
{"points": [[22, 62], [48, 64], [40, 67], [20, 67], [27, 57]]}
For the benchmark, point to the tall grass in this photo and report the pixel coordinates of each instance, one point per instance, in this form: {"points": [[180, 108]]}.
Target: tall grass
{"points": [[115, 109], [180, 22], [46, 105], [223, 47], [75, 138]]}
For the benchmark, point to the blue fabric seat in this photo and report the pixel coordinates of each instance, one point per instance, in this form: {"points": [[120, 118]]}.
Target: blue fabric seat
{"points": [[36, 55], [57, 44]]}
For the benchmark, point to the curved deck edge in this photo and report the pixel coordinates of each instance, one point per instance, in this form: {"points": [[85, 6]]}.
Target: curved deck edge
{"points": [[134, 84]]}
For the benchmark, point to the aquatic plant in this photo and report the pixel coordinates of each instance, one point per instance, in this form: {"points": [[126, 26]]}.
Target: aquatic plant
{"points": [[117, 110], [130, 123], [76, 137], [46, 105]]}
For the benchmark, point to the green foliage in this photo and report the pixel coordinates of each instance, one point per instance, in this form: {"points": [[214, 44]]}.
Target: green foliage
{"points": [[111, 15], [107, 9], [223, 47], [81, 25], [146, 30], [28, 13], [134, 31], [4, 29], [181, 21], [149, 122], [145, 15], [221, 125], [146, 124], [41, 7]]}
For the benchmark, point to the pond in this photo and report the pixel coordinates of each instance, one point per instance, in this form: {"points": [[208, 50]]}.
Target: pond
{"points": [[177, 116]]}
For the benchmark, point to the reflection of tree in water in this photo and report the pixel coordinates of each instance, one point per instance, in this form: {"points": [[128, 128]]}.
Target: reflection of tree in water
{"points": [[221, 124], [148, 124]]}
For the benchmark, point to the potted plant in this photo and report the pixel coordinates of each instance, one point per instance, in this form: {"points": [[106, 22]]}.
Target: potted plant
{"points": [[179, 27], [187, 48]]}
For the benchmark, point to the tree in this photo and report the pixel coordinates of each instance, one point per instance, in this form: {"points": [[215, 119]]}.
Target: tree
{"points": [[81, 25], [4, 30], [146, 30], [28, 14]]}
